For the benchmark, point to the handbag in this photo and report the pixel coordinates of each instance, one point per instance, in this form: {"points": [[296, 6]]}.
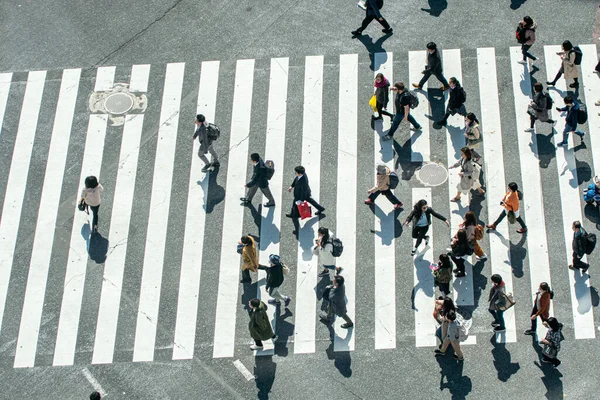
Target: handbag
{"points": [[239, 248], [286, 270], [304, 210], [512, 217], [549, 351], [508, 303], [82, 206], [373, 103]]}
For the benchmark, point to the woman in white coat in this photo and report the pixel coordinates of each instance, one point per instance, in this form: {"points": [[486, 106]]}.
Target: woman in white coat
{"points": [[324, 250], [91, 196], [568, 67], [469, 174]]}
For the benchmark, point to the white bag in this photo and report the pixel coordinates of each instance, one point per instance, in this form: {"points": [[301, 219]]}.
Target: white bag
{"points": [[362, 5]]}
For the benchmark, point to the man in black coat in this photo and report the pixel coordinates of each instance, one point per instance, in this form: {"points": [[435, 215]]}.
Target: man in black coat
{"points": [[372, 12], [275, 277], [433, 67], [258, 180], [456, 101], [579, 247], [302, 193]]}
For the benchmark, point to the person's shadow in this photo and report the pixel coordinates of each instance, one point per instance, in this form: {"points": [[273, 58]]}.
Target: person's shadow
{"points": [[284, 331], [97, 247], [264, 375], [502, 362], [375, 47], [546, 150], [551, 378], [452, 371], [341, 359], [436, 7], [215, 193], [516, 4]]}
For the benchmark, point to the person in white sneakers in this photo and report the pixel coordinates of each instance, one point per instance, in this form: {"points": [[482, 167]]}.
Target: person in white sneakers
{"points": [[275, 278]]}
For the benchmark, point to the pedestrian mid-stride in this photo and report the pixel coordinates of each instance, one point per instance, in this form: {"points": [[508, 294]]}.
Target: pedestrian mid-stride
{"points": [[372, 12], [433, 67], [259, 325], [259, 180], [402, 103], [206, 137]]}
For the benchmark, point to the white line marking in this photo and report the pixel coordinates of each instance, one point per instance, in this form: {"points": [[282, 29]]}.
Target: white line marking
{"points": [[95, 384], [5, 82], [420, 147], [139, 78], [242, 368]]}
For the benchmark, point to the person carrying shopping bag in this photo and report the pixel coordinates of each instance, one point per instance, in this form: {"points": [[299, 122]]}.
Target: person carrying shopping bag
{"points": [[382, 97]]}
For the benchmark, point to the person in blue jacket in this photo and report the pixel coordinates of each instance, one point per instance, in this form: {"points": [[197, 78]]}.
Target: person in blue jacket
{"points": [[372, 12], [572, 109]]}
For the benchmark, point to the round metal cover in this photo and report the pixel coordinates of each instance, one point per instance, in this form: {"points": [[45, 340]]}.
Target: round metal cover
{"points": [[432, 174], [118, 103]]}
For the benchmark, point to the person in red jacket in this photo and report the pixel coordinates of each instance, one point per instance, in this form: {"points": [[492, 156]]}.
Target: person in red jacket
{"points": [[541, 307], [510, 202]]}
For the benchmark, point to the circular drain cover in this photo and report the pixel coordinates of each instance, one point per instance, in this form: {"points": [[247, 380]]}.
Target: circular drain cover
{"points": [[118, 103], [432, 174]]}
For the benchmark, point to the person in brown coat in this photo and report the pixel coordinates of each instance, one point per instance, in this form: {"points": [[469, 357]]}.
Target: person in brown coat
{"points": [[382, 186], [541, 307], [249, 257], [259, 325]]}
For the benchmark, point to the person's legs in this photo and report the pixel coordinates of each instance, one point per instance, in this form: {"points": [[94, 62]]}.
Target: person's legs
{"points": [[251, 192], [532, 121], [202, 156], [526, 54], [445, 344], [213, 153], [267, 192], [381, 112], [346, 318], [442, 79], [316, 205], [258, 342], [521, 222], [374, 195], [494, 314], [460, 265], [500, 218], [421, 232], [534, 321], [444, 120], [566, 134], [413, 121], [457, 350], [425, 77], [274, 293], [395, 123], [557, 77], [95, 216], [384, 23], [365, 23], [391, 197], [246, 275], [500, 318]]}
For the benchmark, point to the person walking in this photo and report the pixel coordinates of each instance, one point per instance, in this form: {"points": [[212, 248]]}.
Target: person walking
{"points": [[372, 12], [510, 202], [452, 337], [275, 278], [473, 135], [91, 196], [249, 257], [336, 296], [526, 36], [382, 185], [420, 217], [402, 104], [382, 89], [474, 233], [572, 109], [443, 305], [442, 273], [324, 251], [456, 101], [259, 180], [301, 193], [460, 248], [95, 395], [206, 143], [541, 307], [497, 302], [579, 246], [539, 106], [259, 325], [568, 67], [469, 174], [552, 342], [433, 67]]}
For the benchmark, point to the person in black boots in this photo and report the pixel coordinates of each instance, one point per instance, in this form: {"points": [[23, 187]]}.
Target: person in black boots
{"points": [[433, 67], [372, 12], [382, 96], [456, 102], [301, 193], [460, 247], [569, 68], [258, 180]]}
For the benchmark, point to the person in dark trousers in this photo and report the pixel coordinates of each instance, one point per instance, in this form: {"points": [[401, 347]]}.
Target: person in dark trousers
{"points": [[382, 186], [336, 296], [91, 196], [537, 109], [433, 67], [259, 325], [258, 180], [510, 202], [443, 305], [249, 257], [456, 102], [552, 341], [579, 245], [324, 251], [568, 67], [206, 144], [95, 396], [372, 12], [528, 26], [402, 103], [473, 135], [274, 280], [443, 274], [460, 248], [420, 217], [541, 307], [382, 88], [302, 193], [572, 109], [497, 302]]}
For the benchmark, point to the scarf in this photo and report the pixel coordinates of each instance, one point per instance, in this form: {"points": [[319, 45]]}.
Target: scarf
{"points": [[381, 84]]}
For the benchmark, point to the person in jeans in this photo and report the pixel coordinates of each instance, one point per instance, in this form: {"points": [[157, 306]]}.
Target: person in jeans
{"points": [[460, 248], [259, 324], [510, 202], [336, 297], [206, 144], [572, 109], [452, 337], [568, 67], [456, 101], [553, 338], [91, 196], [433, 67], [497, 302], [541, 307], [382, 186], [579, 245], [421, 219], [372, 12], [249, 258], [537, 109], [402, 103], [274, 280], [529, 26], [382, 96], [258, 180]]}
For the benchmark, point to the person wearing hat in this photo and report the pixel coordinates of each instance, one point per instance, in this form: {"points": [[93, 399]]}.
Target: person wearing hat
{"points": [[383, 186], [274, 280], [205, 143]]}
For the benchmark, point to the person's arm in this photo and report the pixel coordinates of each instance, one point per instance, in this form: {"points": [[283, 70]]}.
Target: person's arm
{"points": [[406, 111], [409, 218], [254, 177]]}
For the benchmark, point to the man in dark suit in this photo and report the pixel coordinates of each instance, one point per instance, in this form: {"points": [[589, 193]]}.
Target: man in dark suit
{"points": [[258, 180], [302, 193]]}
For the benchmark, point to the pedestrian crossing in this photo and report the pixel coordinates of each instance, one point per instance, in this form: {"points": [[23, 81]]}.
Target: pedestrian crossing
{"points": [[203, 315]]}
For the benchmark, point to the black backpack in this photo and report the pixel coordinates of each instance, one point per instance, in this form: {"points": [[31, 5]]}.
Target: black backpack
{"points": [[379, 4], [578, 55], [590, 243], [394, 180], [269, 169], [520, 34], [338, 247], [582, 115], [213, 131], [413, 100], [549, 102]]}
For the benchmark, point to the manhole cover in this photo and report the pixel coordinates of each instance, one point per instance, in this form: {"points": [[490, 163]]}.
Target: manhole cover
{"points": [[118, 103], [432, 174]]}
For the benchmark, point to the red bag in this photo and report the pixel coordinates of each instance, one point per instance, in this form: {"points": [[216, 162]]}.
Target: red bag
{"points": [[304, 210]]}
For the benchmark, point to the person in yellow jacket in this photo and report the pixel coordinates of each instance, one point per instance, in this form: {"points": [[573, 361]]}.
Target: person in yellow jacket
{"points": [[249, 257], [510, 202]]}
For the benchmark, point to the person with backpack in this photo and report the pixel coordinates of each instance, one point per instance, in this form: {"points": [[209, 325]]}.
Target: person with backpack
{"points": [[372, 12], [433, 67], [456, 101], [403, 102], [469, 174], [580, 247], [275, 278], [259, 180], [526, 37], [384, 185], [442, 273], [571, 59], [539, 106], [541, 307], [382, 88], [205, 133], [473, 135], [324, 249], [571, 120], [90, 196], [420, 217], [460, 247], [497, 302], [510, 202], [454, 334], [474, 233], [336, 303], [552, 341]]}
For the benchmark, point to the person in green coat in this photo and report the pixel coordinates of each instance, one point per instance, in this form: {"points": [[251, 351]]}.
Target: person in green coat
{"points": [[259, 325]]}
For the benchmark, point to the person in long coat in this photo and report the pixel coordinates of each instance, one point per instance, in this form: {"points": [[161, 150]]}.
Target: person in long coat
{"points": [[469, 174], [382, 96], [336, 296], [259, 325], [249, 258], [568, 66]]}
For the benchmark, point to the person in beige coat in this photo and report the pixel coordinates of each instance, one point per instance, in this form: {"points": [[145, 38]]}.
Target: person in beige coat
{"points": [[382, 185], [569, 68], [469, 174], [249, 258], [91, 196]]}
